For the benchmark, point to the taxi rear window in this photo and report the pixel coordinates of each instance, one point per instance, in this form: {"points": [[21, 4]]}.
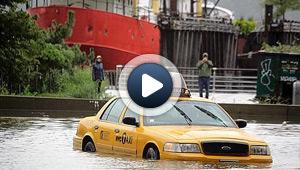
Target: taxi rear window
{"points": [[116, 111], [113, 112], [107, 111]]}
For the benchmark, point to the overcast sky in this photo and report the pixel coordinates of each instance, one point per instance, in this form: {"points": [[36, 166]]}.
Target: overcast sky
{"points": [[144, 2], [244, 8], [252, 8]]}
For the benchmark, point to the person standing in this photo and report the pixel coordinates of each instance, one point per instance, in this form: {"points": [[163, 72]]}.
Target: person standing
{"points": [[98, 72], [204, 65]]}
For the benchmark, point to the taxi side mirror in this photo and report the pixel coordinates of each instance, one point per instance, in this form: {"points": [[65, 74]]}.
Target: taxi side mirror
{"points": [[241, 123], [131, 121], [185, 92]]}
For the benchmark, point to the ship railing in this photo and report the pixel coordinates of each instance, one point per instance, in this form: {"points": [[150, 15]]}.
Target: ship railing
{"points": [[118, 7], [223, 80], [197, 23]]}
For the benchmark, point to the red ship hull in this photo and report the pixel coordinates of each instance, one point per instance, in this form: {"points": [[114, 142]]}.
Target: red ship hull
{"points": [[117, 38]]}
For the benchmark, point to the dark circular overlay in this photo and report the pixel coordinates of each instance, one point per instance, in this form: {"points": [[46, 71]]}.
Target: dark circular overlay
{"points": [[159, 73], [161, 83]]}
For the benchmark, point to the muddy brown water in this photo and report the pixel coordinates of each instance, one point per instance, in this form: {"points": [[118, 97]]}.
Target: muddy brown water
{"points": [[46, 143]]}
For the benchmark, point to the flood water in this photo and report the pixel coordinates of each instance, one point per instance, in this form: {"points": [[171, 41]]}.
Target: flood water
{"points": [[46, 143]]}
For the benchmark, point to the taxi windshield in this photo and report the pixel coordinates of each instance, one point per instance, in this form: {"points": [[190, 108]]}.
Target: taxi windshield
{"points": [[192, 113]]}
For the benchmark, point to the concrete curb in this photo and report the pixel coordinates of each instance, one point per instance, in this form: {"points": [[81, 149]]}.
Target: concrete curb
{"points": [[20, 106]]}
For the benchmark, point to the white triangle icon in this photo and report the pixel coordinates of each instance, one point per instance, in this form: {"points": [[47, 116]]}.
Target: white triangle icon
{"points": [[150, 85]]}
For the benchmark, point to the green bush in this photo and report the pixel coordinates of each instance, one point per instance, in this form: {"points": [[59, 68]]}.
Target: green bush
{"points": [[281, 48], [246, 26], [37, 62], [3, 90]]}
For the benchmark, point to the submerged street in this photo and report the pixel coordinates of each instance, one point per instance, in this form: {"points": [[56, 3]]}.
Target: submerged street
{"points": [[168, 80], [46, 143]]}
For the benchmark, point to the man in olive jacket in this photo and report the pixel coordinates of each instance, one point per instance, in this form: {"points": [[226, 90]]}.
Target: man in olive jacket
{"points": [[204, 65]]}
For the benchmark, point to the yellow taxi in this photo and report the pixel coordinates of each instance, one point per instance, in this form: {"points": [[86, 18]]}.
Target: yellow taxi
{"points": [[194, 129]]}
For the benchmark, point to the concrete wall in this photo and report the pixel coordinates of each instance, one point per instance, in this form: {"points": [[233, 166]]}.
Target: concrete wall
{"points": [[48, 107], [68, 107], [263, 112]]}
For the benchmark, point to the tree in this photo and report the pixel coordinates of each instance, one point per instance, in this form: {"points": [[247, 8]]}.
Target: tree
{"points": [[283, 5], [246, 26], [27, 51], [10, 3], [18, 35], [58, 32]]}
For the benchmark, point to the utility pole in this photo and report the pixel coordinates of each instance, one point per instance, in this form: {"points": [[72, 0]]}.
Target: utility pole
{"points": [[192, 8], [164, 7], [205, 8]]}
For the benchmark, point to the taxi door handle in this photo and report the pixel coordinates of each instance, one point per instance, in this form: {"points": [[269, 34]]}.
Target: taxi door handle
{"points": [[96, 127], [117, 130]]}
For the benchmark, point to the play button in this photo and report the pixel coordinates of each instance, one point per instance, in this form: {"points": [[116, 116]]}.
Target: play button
{"points": [[150, 85], [149, 81]]}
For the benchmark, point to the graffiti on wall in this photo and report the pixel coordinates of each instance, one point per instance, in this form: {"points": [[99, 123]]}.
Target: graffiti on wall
{"points": [[266, 74]]}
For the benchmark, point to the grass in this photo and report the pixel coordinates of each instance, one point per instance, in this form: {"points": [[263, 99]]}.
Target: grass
{"points": [[79, 84]]}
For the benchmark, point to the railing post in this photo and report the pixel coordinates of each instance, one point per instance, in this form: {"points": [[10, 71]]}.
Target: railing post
{"points": [[107, 6], [148, 15], [123, 6], [118, 72], [214, 80]]}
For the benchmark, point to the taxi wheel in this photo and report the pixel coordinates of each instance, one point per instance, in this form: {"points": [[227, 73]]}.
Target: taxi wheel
{"points": [[152, 154], [89, 147]]}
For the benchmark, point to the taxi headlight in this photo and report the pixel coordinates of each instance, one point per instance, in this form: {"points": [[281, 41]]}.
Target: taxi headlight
{"points": [[181, 147], [260, 150]]}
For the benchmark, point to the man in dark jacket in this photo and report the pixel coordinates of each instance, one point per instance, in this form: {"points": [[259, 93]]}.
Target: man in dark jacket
{"points": [[98, 72], [204, 65]]}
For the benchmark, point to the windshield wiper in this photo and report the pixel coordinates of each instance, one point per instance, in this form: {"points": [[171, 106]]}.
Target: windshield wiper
{"points": [[210, 114], [186, 117]]}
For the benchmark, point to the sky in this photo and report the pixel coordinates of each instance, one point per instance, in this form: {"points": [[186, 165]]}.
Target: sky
{"points": [[144, 2], [244, 8], [252, 8]]}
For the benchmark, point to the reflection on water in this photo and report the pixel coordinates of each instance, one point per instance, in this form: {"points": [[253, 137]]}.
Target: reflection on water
{"points": [[46, 143]]}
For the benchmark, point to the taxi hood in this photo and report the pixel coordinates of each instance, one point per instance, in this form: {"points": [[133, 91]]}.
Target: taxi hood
{"points": [[204, 133]]}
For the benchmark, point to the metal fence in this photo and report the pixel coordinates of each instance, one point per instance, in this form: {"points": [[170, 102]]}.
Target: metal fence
{"points": [[227, 80], [223, 79], [112, 78]]}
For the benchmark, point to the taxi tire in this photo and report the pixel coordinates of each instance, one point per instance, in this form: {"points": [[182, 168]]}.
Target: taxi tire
{"points": [[89, 147], [152, 154]]}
